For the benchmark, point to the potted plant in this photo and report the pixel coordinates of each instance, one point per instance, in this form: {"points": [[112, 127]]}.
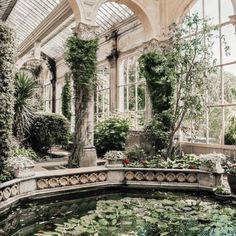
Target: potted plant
{"points": [[21, 165], [232, 178], [115, 158], [222, 193]]}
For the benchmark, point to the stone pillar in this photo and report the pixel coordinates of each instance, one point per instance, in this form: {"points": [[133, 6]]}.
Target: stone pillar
{"points": [[89, 158], [113, 60], [37, 50]]}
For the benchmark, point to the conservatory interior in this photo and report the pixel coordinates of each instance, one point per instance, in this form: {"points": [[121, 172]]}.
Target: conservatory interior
{"points": [[118, 117]]}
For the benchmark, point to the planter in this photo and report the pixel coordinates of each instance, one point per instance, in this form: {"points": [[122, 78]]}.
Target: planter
{"points": [[232, 183], [115, 163], [23, 173]]}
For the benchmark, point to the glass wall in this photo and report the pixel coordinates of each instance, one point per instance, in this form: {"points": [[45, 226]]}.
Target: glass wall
{"points": [[132, 92], [222, 92]]}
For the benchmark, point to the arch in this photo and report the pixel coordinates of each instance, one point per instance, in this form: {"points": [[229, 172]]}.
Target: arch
{"points": [[138, 9], [76, 8]]}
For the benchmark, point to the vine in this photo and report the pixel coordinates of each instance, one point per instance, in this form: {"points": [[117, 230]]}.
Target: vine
{"points": [[66, 98], [6, 91], [81, 56]]}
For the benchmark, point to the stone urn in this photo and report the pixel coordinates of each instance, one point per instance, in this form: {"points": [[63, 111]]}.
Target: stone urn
{"points": [[22, 166], [114, 159]]}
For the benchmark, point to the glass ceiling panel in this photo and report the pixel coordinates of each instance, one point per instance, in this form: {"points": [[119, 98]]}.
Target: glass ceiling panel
{"points": [[55, 47], [3, 6], [110, 14], [28, 14]]}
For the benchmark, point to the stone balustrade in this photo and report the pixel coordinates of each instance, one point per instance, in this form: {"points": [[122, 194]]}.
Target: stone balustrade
{"points": [[58, 182]]}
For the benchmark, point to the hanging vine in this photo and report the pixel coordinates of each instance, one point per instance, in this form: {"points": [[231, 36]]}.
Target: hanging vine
{"points": [[81, 56], [6, 91], [66, 98]]}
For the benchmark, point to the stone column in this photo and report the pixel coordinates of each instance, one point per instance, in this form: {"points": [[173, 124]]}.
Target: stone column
{"points": [[113, 60], [89, 158]]}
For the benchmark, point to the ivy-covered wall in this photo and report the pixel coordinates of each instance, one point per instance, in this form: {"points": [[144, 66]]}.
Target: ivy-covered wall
{"points": [[6, 91]]}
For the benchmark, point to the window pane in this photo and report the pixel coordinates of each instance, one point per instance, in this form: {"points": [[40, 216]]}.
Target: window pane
{"points": [[215, 125], [214, 92], [211, 10], [132, 70], [197, 8], [230, 38], [141, 96], [216, 46], [226, 10], [230, 113], [229, 74], [132, 98]]}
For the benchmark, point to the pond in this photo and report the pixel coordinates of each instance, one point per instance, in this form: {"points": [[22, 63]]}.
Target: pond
{"points": [[152, 213]]}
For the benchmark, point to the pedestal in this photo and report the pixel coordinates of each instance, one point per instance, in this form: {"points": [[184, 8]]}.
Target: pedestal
{"points": [[89, 158]]}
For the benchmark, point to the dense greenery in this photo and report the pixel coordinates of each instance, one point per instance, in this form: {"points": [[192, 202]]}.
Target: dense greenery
{"points": [[157, 71], [184, 63], [25, 87], [48, 130], [111, 134], [230, 135], [66, 97], [6, 91], [81, 56], [169, 214]]}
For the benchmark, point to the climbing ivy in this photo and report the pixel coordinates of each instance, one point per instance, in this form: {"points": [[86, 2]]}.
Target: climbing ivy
{"points": [[6, 91], [81, 56], [157, 71], [66, 98]]}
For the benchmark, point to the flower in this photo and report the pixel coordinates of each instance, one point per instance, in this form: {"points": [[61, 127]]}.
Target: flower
{"points": [[126, 161]]}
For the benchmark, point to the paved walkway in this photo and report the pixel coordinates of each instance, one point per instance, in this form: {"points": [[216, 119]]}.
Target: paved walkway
{"points": [[58, 162]]}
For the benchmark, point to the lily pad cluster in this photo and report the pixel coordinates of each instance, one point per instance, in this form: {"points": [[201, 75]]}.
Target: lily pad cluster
{"points": [[169, 215]]}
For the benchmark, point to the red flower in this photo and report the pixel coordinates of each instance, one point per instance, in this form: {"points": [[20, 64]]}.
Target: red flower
{"points": [[126, 162]]}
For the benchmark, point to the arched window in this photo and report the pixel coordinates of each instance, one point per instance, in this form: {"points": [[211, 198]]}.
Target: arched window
{"points": [[222, 92]]}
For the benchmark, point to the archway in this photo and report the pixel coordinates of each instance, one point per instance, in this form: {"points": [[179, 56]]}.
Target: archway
{"points": [[139, 10]]}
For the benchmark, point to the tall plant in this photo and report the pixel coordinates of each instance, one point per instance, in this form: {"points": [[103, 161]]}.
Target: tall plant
{"points": [[6, 91], [81, 56], [66, 98], [25, 87], [183, 66]]}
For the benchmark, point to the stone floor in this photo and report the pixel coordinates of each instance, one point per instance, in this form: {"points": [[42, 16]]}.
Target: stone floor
{"points": [[58, 161]]}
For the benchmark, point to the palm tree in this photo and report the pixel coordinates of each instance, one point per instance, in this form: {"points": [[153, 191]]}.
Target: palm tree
{"points": [[25, 87]]}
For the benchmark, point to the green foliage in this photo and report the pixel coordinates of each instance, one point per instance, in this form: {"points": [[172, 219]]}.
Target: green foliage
{"points": [[6, 91], [81, 57], [168, 215], [230, 135], [25, 152], [111, 134], [25, 87], [157, 71], [66, 98], [48, 130], [135, 153]]}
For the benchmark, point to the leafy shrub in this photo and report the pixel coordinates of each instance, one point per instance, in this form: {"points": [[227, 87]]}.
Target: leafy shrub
{"points": [[48, 130], [25, 87], [157, 132], [111, 134], [230, 136], [135, 153], [6, 91], [26, 152]]}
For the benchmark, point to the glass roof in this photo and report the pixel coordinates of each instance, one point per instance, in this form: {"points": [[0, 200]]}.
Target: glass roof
{"points": [[110, 14], [28, 14]]}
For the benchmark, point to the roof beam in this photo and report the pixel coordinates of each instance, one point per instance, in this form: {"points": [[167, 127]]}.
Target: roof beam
{"points": [[9, 9], [53, 21]]}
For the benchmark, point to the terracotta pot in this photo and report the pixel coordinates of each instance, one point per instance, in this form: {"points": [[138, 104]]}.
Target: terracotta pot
{"points": [[232, 183], [115, 163]]}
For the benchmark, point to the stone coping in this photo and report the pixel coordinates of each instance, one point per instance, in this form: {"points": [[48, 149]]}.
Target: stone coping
{"points": [[60, 182]]}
